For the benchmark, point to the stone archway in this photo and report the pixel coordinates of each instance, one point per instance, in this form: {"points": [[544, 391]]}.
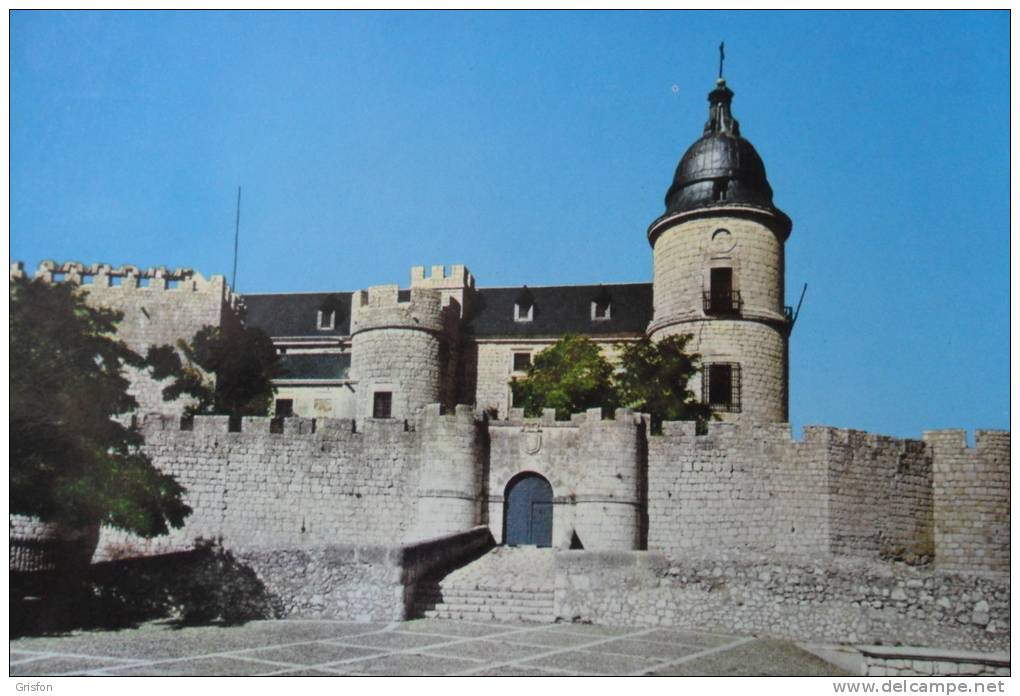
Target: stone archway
{"points": [[527, 516]]}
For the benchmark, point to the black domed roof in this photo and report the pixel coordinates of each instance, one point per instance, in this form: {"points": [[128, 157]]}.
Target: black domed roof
{"points": [[720, 168]]}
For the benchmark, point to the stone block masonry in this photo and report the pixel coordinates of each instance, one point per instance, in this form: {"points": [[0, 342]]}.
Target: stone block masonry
{"points": [[296, 483], [755, 489], [838, 600], [160, 306], [971, 499]]}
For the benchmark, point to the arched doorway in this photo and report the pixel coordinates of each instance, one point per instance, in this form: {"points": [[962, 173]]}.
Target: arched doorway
{"points": [[527, 517]]}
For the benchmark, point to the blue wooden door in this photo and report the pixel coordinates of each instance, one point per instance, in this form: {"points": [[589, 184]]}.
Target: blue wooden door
{"points": [[529, 512]]}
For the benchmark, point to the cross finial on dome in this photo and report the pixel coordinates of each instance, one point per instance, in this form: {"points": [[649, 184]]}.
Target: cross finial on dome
{"points": [[722, 57]]}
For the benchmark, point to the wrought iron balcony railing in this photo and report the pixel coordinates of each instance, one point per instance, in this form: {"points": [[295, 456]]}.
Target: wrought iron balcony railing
{"points": [[721, 302]]}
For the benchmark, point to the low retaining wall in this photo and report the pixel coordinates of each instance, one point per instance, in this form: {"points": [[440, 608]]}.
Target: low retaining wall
{"points": [[359, 583], [902, 661], [828, 600]]}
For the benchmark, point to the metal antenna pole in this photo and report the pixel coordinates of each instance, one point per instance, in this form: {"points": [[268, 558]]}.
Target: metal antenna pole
{"points": [[237, 233], [797, 313]]}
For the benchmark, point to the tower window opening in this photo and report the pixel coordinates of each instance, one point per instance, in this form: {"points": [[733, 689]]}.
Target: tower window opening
{"points": [[284, 408], [382, 405], [721, 298], [719, 187], [601, 310], [721, 386], [404, 295]]}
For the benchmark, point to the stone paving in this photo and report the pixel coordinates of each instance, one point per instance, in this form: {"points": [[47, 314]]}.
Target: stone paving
{"points": [[421, 647]]}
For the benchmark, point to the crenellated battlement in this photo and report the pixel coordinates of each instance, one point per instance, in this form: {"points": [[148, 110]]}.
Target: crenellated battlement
{"points": [[314, 428], [458, 277], [387, 306]]}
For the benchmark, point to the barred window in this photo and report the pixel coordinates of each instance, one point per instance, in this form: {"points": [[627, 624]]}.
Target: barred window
{"points": [[720, 386]]}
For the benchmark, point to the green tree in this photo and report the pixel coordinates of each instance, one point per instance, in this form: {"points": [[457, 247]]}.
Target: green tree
{"points": [[654, 378], [71, 460], [226, 371], [571, 376]]}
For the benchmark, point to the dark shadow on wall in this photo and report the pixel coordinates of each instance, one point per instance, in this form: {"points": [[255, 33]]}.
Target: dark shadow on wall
{"points": [[206, 585]]}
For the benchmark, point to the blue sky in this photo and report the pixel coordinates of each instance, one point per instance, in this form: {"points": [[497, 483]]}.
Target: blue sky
{"points": [[536, 148]]}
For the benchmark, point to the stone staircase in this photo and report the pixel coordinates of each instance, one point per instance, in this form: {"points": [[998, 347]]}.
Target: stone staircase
{"points": [[505, 584]]}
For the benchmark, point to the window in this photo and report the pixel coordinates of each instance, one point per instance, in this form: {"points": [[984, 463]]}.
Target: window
{"points": [[721, 298], [284, 408], [524, 305], [719, 187], [403, 295], [522, 361], [523, 312], [382, 405], [601, 305], [720, 386], [327, 319]]}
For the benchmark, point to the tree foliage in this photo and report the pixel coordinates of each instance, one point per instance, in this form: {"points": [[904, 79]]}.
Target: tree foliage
{"points": [[654, 378], [226, 371], [570, 376], [71, 460]]}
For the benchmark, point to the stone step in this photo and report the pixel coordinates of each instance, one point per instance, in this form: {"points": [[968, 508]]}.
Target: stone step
{"points": [[480, 596], [487, 606], [531, 617]]}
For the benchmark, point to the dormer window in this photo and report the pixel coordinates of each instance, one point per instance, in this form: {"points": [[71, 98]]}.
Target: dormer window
{"points": [[328, 313], [327, 319], [601, 306], [524, 306]]}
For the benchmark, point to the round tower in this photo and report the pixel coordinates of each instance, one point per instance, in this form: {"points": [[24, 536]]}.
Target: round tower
{"points": [[719, 272], [400, 344]]}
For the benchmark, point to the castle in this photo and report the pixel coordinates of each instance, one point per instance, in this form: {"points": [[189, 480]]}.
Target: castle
{"points": [[394, 424]]}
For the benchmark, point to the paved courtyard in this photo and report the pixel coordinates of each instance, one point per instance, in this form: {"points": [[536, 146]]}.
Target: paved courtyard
{"points": [[427, 646]]}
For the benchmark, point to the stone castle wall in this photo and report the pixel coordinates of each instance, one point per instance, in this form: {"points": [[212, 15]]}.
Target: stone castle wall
{"points": [[593, 464], [971, 499], [755, 489], [160, 306], [735, 490], [295, 482]]}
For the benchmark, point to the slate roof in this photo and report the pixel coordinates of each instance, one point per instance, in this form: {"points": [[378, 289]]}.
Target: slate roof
{"points": [[315, 365], [558, 310], [297, 314], [562, 309]]}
